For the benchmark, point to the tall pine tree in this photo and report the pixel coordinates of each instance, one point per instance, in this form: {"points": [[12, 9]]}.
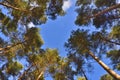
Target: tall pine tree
{"points": [[21, 55], [99, 31]]}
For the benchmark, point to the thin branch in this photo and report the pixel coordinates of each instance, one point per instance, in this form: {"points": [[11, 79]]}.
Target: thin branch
{"points": [[20, 78], [39, 76], [7, 1], [9, 47], [107, 40], [13, 7], [106, 10], [111, 18], [41, 73], [84, 74], [111, 41]]}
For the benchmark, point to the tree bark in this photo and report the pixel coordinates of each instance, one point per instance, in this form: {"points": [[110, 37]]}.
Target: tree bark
{"points": [[40, 75], [11, 46], [84, 74], [12, 7], [110, 71], [108, 40], [106, 10]]}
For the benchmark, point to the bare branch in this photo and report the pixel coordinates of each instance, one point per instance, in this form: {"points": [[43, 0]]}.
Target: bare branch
{"points": [[39, 76], [111, 41], [20, 78], [13, 7], [107, 40], [106, 10], [84, 74], [8, 47]]}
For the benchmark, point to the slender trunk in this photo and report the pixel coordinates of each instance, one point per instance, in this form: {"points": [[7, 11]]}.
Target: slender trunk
{"points": [[84, 74], [39, 76], [106, 10], [110, 71]]}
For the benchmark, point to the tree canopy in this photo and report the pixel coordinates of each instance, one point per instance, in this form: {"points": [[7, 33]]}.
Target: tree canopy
{"points": [[97, 35], [24, 42], [22, 55]]}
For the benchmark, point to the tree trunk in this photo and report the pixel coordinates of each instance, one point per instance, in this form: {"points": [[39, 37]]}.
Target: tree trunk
{"points": [[106, 10], [110, 71], [39, 76], [84, 74]]}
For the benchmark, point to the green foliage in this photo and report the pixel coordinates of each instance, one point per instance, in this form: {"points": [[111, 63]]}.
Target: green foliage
{"points": [[48, 61], [79, 41], [115, 33], [13, 68], [114, 56], [81, 19], [25, 42], [59, 76], [118, 66], [88, 8], [33, 39], [101, 35], [103, 3], [82, 41], [81, 78], [84, 2], [52, 56], [23, 12], [107, 77], [2, 42], [14, 25]]}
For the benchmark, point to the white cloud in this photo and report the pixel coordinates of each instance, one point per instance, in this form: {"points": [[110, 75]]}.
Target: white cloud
{"points": [[30, 25], [66, 5]]}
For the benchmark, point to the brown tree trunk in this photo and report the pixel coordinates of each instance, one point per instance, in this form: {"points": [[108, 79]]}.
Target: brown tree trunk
{"points": [[106, 10], [39, 76], [110, 71]]}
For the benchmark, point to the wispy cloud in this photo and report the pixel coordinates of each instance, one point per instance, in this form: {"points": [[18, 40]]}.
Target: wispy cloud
{"points": [[66, 5]]}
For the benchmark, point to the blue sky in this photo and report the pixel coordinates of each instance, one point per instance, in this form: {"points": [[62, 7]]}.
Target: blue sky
{"points": [[56, 32]]}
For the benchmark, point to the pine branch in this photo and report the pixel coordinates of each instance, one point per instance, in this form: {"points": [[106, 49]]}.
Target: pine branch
{"points": [[20, 78], [9, 47], [39, 76], [111, 41], [13, 7], [107, 40], [84, 74], [106, 10], [40, 73]]}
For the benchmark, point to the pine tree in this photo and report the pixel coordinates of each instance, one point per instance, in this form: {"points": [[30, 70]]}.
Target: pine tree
{"points": [[21, 56], [98, 33], [106, 77]]}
